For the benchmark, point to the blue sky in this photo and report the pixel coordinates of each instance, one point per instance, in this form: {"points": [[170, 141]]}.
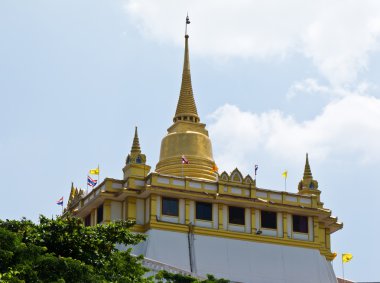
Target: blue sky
{"points": [[272, 81]]}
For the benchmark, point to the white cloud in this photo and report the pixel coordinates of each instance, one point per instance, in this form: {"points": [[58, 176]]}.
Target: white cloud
{"points": [[346, 128], [337, 36], [312, 86]]}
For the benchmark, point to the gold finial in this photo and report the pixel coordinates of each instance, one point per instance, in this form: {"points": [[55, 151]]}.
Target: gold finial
{"points": [[307, 172], [186, 108], [187, 23], [136, 143]]}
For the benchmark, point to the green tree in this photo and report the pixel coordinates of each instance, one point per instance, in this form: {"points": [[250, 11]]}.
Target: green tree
{"points": [[64, 250], [179, 278]]}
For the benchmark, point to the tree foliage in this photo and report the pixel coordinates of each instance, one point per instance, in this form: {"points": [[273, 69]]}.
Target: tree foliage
{"points": [[164, 276], [63, 250]]}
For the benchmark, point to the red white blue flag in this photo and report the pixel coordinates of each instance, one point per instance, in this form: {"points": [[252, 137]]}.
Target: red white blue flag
{"points": [[91, 182], [184, 160], [60, 201]]}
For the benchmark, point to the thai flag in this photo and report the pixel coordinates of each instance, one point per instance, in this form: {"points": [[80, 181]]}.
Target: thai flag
{"points": [[60, 201], [184, 160], [91, 182]]}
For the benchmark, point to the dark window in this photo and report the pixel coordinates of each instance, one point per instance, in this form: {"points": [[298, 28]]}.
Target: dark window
{"points": [[170, 206], [203, 211], [138, 159], [236, 215], [300, 224], [87, 220], [269, 219], [99, 214]]}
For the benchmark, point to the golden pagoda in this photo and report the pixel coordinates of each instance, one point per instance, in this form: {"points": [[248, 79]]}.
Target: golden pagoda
{"points": [[187, 136], [201, 222]]}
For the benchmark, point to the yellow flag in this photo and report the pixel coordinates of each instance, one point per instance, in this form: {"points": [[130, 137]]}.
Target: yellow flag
{"points": [[346, 257], [94, 171], [285, 174]]}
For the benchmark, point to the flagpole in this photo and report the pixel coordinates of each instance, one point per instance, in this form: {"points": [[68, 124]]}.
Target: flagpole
{"points": [[87, 185], [344, 280], [285, 182], [256, 168], [98, 174]]}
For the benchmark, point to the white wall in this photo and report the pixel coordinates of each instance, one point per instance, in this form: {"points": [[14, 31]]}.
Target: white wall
{"points": [[241, 261], [167, 247]]}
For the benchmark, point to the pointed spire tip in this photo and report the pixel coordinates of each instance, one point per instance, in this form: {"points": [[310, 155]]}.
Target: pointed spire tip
{"points": [[186, 108], [136, 142]]}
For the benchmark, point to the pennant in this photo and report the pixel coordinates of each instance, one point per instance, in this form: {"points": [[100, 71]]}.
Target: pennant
{"points": [[285, 174], [184, 160], [215, 168], [60, 201], [256, 168], [346, 257], [91, 182], [94, 171]]}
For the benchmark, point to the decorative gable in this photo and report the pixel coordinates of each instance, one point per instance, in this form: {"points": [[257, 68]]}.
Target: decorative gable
{"points": [[224, 176], [248, 180], [236, 176]]}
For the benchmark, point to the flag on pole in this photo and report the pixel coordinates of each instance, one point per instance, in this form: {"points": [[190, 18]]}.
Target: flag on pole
{"points": [[215, 168], [346, 257], [184, 160], [60, 201], [285, 174], [91, 182], [256, 168], [94, 171]]}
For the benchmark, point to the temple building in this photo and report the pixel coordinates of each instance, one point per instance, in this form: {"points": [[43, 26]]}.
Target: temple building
{"points": [[199, 221]]}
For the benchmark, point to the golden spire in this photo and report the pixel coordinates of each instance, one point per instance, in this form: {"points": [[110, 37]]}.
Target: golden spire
{"points": [[187, 136], [307, 172], [186, 108], [135, 155], [135, 164], [136, 143], [308, 185], [72, 192]]}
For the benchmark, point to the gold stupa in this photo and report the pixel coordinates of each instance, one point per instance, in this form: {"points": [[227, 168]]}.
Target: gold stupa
{"points": [[187, 136]]}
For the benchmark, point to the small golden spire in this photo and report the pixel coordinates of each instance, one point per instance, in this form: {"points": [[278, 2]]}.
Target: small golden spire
{"points": [[135, 164], [307, 172], [135, 156], [309, 186], [72, 192], [136, 143], [186, 108]]}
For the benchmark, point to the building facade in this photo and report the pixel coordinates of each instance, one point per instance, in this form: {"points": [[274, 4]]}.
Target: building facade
{"points": [[203, 222]]}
